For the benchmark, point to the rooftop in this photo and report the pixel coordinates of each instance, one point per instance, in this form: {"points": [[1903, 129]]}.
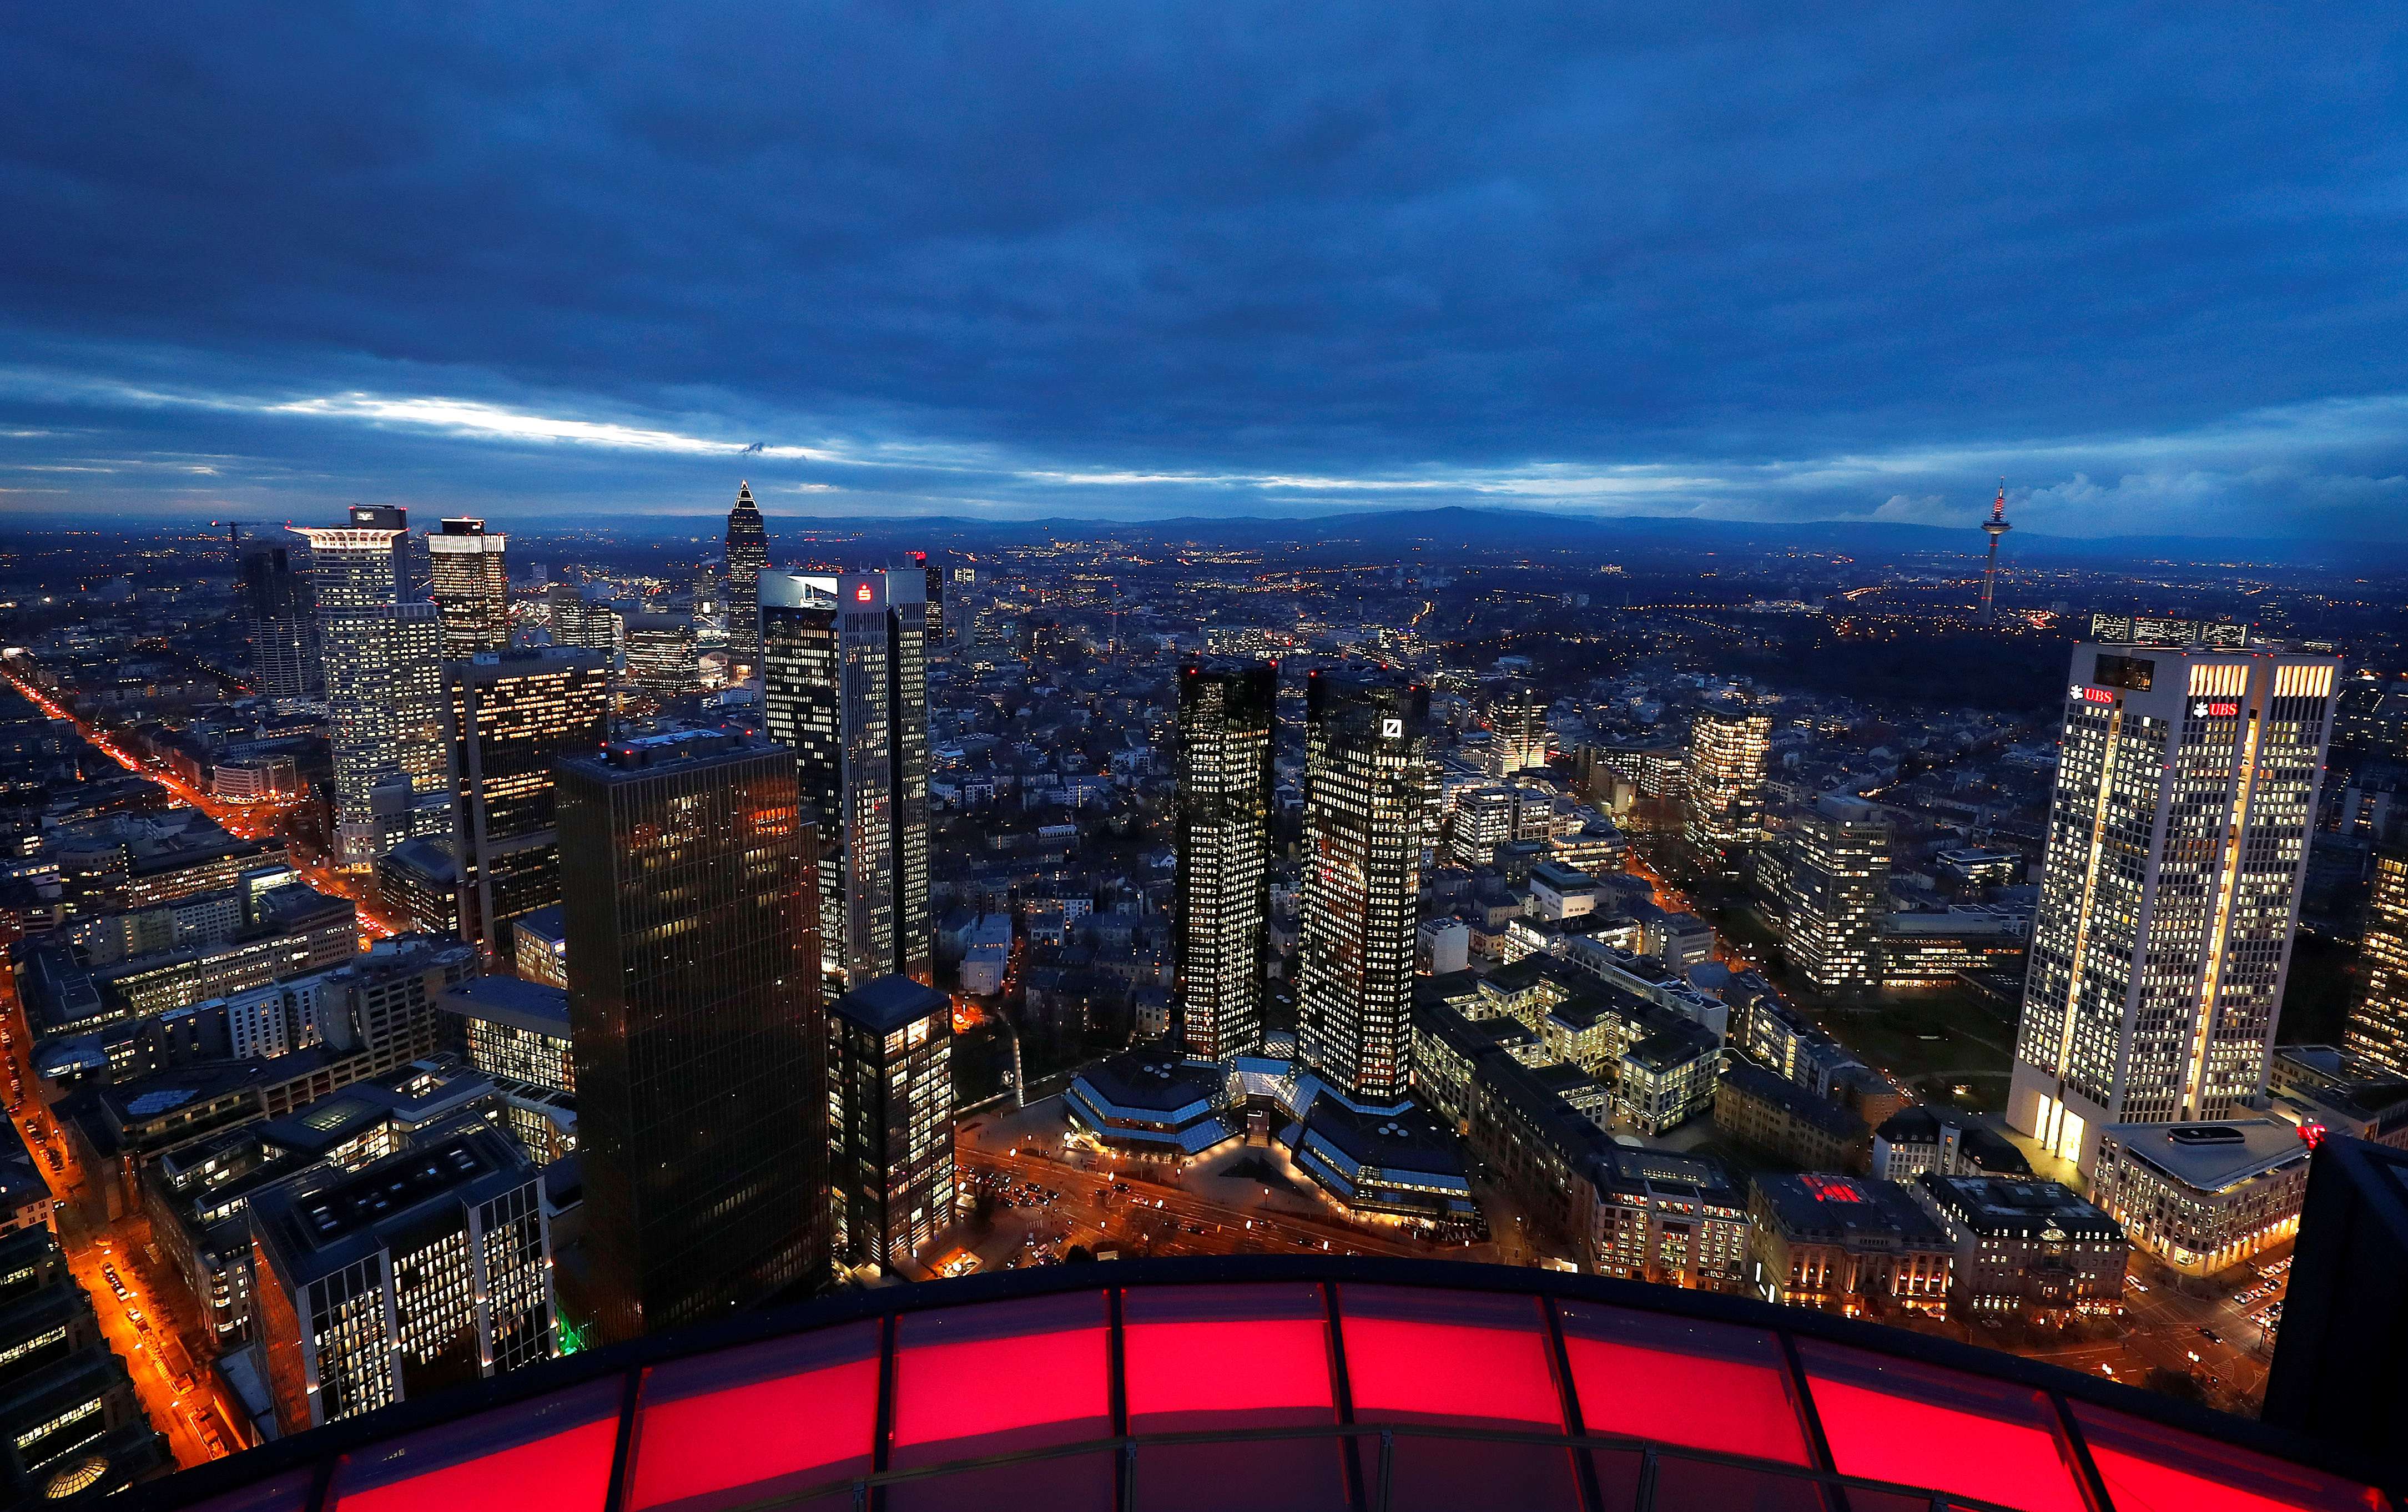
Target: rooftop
{"points": [[886, 1003], [2212, 1157], [538, 1008]]}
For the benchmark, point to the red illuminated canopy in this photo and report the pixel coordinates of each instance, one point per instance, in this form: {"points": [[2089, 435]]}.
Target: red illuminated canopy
{"points": [[1273, 1383]]}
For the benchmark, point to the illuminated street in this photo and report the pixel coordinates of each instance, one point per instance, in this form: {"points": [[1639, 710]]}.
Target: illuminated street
{"points": [[251, 822], [152, 1328]]}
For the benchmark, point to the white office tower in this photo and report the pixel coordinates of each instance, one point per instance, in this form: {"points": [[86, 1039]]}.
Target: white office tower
{"points": [[1836, 894], [384, 703], [844, 683], [384, 661], [2186, 791]]}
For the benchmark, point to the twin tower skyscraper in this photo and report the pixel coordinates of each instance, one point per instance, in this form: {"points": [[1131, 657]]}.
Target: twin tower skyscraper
{"points": [[843, 664], [1367, 754]]}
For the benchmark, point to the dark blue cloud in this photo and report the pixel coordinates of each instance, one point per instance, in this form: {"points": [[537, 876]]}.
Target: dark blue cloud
{"points": [[1783, 260]]}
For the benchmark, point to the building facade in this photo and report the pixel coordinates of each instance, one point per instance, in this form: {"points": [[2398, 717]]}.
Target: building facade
{"points": [[427, 1269], [690, 908], [748, 553], [1845, 1245], [845, 686], [279, 605], [1836, 893], [2025, 1248], [469, 579], [1672, 1219], [2202, 1196], [1517, 730], [506, 718], [1226, 716], [890, 1121], [2178, 837], [2378, 1025], [660, 653], [1366, 748], [1723, 813]]}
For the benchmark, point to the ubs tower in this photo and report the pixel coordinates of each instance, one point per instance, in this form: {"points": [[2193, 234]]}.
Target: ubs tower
{"points": [[844, 682], [2177, 841], [690, 909], [1226, 719], [1367, 743]]}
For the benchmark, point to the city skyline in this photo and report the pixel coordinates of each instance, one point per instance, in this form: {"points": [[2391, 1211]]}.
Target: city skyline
{"points": [[1376, 760]]}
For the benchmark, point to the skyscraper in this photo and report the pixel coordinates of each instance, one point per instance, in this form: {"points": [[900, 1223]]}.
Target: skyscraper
{"points": [[690, 899], [507, 717], [1836, 894], [1219, 930], [890, 1119], [1367, 741], [935, 615], [382, 657], [1724, 813], [281, 606], [1517, 730], [2177, 840], [2378, 1025], [845, 684], [468, 580], [747, 552]]}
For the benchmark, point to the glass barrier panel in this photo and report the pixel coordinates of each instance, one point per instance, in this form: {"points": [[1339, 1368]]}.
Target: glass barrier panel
{"points": [[1199, 1358], [734, 1427], [1415, 1355], [554, 1453], [2147, 1466], [1644, 1374], [1001, 1378], [1925, 1426]]}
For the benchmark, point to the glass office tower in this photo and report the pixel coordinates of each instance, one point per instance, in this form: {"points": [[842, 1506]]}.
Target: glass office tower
{"points": [[1367, 741], [1222, 847], [691, 911], [844, 682]]}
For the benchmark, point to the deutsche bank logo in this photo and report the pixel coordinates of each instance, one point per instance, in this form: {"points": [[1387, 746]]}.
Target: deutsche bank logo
{"points": [[1391, 729]]}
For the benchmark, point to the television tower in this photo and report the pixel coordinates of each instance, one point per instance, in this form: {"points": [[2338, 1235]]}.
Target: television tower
{"points": [[1993, 527]]}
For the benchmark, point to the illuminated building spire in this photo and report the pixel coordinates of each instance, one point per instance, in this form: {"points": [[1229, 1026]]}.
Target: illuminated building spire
{"points": [[1993, 527]]}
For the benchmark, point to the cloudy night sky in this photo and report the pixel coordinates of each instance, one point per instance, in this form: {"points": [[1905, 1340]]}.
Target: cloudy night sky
{"points": [[1775, 262]]}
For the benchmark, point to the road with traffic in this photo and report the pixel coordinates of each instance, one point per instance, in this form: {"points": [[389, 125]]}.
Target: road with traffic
{"points": [[146, 1314]]}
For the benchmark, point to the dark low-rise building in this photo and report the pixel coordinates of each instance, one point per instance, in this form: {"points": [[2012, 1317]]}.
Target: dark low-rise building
{"points": [[1845, 1245], [1153, 1105], [1784, 1119], [2033, 1249]]}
